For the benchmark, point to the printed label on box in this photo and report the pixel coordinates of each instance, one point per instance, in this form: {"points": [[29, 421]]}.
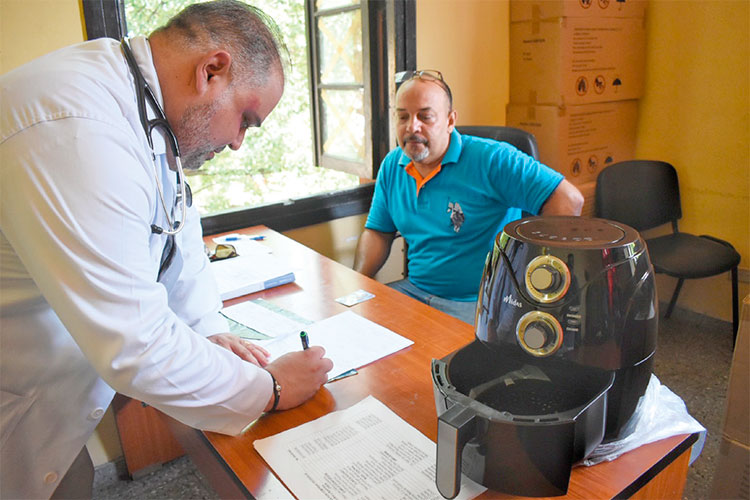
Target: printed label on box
{"points": [[572, 61], [579, 141], [535, 10]]}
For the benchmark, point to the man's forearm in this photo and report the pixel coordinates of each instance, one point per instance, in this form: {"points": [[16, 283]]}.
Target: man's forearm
{"points": [[566, 199], [372, 251]]}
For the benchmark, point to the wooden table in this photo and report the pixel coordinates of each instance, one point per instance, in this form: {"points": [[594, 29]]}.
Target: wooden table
{"points": [[402, 381]]}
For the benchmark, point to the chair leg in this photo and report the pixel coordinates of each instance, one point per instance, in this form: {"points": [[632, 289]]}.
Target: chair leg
{"points": [[672, 302], [735, 306]]}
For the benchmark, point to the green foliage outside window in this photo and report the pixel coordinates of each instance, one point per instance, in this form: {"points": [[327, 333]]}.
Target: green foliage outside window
{"points": [[275, 162]]}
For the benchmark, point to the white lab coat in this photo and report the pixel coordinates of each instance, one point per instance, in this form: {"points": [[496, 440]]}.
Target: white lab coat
{"points": [[81, 312]]}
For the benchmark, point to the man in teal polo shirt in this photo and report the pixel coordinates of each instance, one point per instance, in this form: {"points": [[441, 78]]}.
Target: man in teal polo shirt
{"points": [[449, 195]]}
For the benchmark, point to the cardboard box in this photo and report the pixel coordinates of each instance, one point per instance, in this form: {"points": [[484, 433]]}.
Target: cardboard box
{"points": [[535, 10], [732, 476], [572, 61], [588, 190], [579, 141], [737, 418]]}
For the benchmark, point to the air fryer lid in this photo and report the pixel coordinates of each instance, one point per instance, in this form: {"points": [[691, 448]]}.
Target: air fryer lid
{"points": [[570, 232]]}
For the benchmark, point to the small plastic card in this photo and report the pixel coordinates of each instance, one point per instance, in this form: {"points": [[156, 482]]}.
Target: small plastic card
{"points": [[355, 298]]}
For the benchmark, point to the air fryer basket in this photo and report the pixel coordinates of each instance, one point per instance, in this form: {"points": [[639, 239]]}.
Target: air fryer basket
{"points": [[515, 427]]}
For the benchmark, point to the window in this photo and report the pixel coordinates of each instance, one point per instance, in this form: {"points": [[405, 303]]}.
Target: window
{"points": [[297, 170]]}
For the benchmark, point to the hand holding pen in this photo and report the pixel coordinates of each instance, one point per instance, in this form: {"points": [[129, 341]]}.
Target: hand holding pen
{"points": [[299, 374]]}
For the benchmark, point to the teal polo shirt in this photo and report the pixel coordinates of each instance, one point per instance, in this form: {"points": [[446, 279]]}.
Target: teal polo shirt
{"points": [[450, 222]]}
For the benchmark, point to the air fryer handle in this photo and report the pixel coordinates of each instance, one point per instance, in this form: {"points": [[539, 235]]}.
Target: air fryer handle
{"points": [[455, 427]]}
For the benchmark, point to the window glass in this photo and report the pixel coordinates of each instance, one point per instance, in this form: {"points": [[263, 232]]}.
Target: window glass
{"points": [[340, 39], [343, 123], [341, 63], [275, 162]]}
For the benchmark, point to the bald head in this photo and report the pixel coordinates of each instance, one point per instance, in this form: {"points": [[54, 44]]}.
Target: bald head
{"points": [[439, 82]]}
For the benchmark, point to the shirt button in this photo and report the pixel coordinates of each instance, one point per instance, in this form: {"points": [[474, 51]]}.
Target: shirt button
{"points": [[50, 477], [96, 414]]}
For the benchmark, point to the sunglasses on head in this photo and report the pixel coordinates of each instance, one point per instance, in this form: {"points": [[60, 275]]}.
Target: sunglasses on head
{"points": [[421, 74], [428, 75]]}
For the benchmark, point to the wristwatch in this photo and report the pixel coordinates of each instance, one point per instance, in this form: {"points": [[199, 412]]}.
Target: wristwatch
{"points": [[276, 392]]}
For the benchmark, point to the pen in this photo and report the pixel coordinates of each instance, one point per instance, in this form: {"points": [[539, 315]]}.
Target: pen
{"points": [[305, 339], [237, 238]]}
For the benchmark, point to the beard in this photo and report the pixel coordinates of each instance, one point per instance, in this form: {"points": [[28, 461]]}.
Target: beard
{"points": [[194, 135], [416, 157]]}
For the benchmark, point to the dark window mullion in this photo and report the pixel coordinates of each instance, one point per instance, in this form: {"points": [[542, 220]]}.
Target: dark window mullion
{"points": [[104, 18]]}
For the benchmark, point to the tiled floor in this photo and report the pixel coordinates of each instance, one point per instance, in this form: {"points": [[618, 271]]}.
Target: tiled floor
{"points": [[693, 359]]}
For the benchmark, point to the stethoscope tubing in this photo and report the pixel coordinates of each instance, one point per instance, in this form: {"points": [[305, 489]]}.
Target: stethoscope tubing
{"points": [[144, 92]]}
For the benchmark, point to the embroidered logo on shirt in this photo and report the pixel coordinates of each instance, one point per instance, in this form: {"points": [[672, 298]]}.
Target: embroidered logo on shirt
{"points": [[457, 215]]}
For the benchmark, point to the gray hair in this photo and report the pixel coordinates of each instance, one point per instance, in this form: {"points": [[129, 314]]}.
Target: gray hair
{"points": [[252, 37]]}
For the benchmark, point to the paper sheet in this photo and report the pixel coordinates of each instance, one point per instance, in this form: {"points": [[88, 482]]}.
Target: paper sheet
{"points": [[366, 451], [262, 319], [350, 341], [273, 490]]}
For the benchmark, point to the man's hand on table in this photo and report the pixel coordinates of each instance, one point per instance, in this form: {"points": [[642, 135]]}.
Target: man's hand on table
{"points": [[246, 350]]}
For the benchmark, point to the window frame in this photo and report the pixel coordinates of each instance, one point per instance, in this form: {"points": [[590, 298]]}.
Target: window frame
{"points": [[106, 18]]}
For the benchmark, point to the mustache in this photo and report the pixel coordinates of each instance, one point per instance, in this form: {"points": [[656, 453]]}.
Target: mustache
{"points": [[415, 138]]}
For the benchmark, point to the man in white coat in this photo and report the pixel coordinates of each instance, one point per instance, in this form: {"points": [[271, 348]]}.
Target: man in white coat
{"points": [[89, 302]]}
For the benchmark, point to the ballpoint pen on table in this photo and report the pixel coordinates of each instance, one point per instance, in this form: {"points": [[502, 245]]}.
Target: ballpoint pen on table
{"points": [[305, 339], [237, 238]]}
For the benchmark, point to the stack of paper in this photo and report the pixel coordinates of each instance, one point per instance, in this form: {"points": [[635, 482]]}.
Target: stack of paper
{"points": [[365, 451]]}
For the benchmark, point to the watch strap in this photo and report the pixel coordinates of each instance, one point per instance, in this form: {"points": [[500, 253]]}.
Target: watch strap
{"points": [[276, 392]]}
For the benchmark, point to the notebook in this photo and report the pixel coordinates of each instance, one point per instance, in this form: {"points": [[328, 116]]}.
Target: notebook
{"points": [[248, 273]]}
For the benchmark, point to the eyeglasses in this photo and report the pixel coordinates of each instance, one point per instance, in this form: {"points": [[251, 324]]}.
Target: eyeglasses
{"points": [[428, 75], [422, 74], [221, 252]]}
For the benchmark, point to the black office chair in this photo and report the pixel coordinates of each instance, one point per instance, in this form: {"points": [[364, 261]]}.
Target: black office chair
{"points": [[525, 141], [645, 194]]}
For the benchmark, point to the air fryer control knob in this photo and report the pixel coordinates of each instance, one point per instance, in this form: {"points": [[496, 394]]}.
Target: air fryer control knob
{"points": [[547, 278], [539, 333]]}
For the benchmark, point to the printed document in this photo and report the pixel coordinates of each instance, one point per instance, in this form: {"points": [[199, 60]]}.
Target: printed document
{"points": [[350, 341], [366, 451]]}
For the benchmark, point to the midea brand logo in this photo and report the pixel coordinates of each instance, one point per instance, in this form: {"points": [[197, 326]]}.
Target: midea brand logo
{"points": [[508, 299]]}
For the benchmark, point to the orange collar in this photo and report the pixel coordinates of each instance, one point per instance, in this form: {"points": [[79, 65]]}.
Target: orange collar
{"points": [[421, 181]]}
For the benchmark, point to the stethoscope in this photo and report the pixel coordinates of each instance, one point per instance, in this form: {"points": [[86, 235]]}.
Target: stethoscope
{"points": [[143, 91]]}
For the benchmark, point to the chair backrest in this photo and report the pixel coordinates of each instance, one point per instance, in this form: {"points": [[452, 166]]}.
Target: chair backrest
{"points": [[521, 139], [640, 193]]}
